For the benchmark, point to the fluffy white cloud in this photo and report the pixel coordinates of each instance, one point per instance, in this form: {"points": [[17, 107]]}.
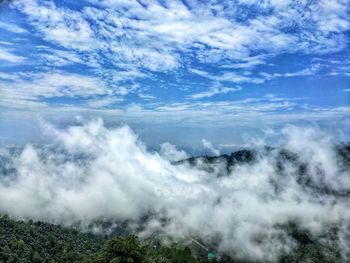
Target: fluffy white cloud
{"points": [[209, 146], [169, 152], [94, 173]]}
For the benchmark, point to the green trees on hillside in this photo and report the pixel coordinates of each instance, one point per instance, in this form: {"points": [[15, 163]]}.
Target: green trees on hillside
{"points": [[130, 250], [38, 242], [121, 250]]}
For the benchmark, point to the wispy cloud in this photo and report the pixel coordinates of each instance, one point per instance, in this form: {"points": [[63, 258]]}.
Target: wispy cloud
{"points": [[215, 90], [60, 58], [23, 88], [131, 57], [12, 28], [153, 35], [229, 76], [6, 43], [7, 55], [300, 73], [59, 25]]}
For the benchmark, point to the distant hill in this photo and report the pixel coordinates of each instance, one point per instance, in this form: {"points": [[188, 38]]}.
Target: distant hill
{"points": [[249, 156]]}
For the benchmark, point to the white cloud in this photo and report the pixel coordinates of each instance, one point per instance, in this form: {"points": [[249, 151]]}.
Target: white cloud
{"points": [[156, 37], [12, 28], [146, 96], [6, 43], [21, 88], [132, 39], [247, 63], [104, 102], [64, 84], [331, 16], [59, 25], [209, 146], [121, 180], [311, 70], [229, 76], [215, 90], [9, 56], [169, 152], [60, 58]]}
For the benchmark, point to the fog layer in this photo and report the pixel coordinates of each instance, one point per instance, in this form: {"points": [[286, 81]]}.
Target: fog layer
{"points": [[93, 173]]}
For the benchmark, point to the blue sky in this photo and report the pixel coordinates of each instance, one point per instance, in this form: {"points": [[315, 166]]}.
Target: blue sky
{"points": [[175, 71]]}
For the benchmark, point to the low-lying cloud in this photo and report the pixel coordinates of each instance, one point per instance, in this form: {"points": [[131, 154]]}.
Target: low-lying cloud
{"points": [[92, 173]]}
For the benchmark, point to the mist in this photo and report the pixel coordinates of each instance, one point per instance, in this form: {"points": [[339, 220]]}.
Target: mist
{"points": [[91, 173]]}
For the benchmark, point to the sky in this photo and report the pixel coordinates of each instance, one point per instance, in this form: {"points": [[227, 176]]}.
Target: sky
{"points": [[186, 72]]}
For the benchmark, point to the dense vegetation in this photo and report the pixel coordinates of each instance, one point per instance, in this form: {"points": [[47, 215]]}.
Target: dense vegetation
{"points": [[36, 242], [41, 242]]}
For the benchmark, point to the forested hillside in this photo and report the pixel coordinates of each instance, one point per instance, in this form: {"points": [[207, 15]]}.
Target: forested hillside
{"points": [[41, 242], [36, 242]]}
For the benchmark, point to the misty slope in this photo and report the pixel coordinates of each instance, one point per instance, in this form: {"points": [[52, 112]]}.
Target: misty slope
{"points": [[37, 242], [241, 204], [42, 242], [224, 164]]}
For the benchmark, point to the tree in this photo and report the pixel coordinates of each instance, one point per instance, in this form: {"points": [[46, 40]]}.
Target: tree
{"points": [[122, 250]]}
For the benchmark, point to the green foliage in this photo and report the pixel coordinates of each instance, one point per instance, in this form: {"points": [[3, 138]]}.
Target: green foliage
{"points": [[122, 250], [37, 242], [130, 250], [309, 249], [177, 255]]}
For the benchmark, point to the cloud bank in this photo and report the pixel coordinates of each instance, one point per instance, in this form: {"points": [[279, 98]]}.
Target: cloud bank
{"points": [[92, 173]]}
